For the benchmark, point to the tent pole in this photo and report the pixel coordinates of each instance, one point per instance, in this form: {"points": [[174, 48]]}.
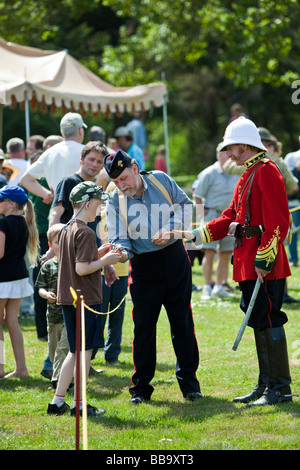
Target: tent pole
{"points": [[27, 117], [165, 115]]}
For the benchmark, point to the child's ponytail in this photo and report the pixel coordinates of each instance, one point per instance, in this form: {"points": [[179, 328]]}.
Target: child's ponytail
{"points": [[33, 244]]}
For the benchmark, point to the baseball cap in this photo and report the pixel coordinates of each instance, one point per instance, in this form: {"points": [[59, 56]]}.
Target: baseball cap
{"points": [[72, 120], [14, 193], [87, 190], [114, 164], [122, 131], [97, 133]]}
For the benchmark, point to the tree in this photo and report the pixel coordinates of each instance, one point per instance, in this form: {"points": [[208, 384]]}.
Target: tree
{"points": [[212, 53]]}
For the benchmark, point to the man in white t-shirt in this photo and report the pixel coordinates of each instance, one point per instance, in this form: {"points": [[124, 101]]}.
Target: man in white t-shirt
{"points": [[215, 189], [15, 149], [60, 160]]}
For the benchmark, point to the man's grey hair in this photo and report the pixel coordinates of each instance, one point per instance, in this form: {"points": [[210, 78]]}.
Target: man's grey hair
{"points": [[69, 132], [15, 145]]}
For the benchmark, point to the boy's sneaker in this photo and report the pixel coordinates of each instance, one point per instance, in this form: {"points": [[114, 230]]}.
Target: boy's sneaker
{"points": [[206, 292], [219, 291], [91, 411], [57, 410]]}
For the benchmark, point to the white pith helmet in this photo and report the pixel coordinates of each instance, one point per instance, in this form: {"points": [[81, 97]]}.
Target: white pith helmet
{"points": [[242, 131]]}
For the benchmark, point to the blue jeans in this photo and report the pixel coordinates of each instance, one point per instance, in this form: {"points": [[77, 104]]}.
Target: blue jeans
{"points": [[112, 296], [293, 246]]}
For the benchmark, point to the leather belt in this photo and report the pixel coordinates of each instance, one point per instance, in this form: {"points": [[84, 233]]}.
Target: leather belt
{"points": [[250, 231], [238, 231]]}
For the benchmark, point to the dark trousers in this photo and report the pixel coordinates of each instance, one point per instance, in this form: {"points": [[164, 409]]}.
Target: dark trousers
{"points": [[112, 296], [267, 311], [163, 278], [40, 304]]}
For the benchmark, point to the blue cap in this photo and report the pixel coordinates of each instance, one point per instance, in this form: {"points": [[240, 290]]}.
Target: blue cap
{"points": [[14, 193]]}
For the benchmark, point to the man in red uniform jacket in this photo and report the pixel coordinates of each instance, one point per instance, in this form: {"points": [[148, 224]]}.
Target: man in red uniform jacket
{"points": [[258, 217]]}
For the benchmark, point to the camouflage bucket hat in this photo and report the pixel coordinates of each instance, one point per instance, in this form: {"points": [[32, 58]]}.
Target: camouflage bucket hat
{"points": [[87, 190]]}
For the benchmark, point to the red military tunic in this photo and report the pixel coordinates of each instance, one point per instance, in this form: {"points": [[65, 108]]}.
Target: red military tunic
{"points": [[268, 208]]}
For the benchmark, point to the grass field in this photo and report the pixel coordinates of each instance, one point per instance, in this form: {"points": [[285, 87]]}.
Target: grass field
{"points": [[167, 422]]}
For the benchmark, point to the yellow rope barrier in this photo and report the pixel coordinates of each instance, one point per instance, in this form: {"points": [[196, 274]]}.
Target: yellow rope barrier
{"points": [[74, 295], [295, 209]]}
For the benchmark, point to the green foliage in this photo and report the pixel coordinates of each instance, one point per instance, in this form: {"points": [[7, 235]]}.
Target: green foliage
{"points": [[248, 41], [211, 53]]}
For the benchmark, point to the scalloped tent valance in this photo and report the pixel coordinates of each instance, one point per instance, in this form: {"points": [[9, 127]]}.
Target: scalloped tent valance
{"points": [[56, 79]]}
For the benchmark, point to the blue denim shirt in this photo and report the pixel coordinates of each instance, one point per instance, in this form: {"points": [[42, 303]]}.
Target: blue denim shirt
{"points": [[147, 214]]}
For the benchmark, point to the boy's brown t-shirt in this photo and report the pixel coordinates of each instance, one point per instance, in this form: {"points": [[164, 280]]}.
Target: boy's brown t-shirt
{"points": [[77, 243]]}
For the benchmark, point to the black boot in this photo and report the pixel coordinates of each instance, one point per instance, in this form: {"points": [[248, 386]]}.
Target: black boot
{"points": [[278, 389], [263, 364]]}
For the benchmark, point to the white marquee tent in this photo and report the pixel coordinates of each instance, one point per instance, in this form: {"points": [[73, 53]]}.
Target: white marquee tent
{"points": [[35, 77]]}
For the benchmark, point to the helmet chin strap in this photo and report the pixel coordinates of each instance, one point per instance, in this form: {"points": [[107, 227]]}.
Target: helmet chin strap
{"points": [[74, 216]]}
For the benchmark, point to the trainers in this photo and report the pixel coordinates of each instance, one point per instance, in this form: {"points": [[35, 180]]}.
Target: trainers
{"points": [[53, 409], [90, 411], [137, 399], [219, 291], [47, 374], [206, 292], [227, 287], [112, 361], [192, 396]]}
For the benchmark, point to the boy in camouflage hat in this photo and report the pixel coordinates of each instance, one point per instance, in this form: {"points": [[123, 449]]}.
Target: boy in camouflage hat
{"points": [[80, 263]]}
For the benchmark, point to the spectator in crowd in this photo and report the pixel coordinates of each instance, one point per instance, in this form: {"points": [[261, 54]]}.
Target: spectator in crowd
{"points": [[57, 161], [113, 298], [18, 234], [15, 149], [125, 142], [97, 133], [46, 284], [80, 263], [292, 160], [6, 171], [214, 191], [34, 143], [42, 221], [138, 131], [160, 159]]}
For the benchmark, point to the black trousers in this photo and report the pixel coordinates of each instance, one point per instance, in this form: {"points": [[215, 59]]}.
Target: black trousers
{"points": [[40, 304], [163, 278], [267, 311]]}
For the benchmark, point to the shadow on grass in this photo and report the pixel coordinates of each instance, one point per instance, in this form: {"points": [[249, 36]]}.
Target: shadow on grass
{"points": [[186, 412], [157, 411], [25, 382]]}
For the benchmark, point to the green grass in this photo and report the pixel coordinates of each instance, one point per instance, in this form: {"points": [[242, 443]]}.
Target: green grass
{"points": [[168, 422]]}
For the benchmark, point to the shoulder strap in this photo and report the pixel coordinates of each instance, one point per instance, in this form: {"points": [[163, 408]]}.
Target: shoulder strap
{"points": [[160, 187], [122, 198], [123, 207], [250, 180]]}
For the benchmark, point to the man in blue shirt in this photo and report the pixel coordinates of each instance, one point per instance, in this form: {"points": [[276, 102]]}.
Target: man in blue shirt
{"points": [[141, 213], [125, 142]]}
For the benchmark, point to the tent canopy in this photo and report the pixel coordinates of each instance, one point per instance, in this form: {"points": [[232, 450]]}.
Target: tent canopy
{"points": [[50, 78]]}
